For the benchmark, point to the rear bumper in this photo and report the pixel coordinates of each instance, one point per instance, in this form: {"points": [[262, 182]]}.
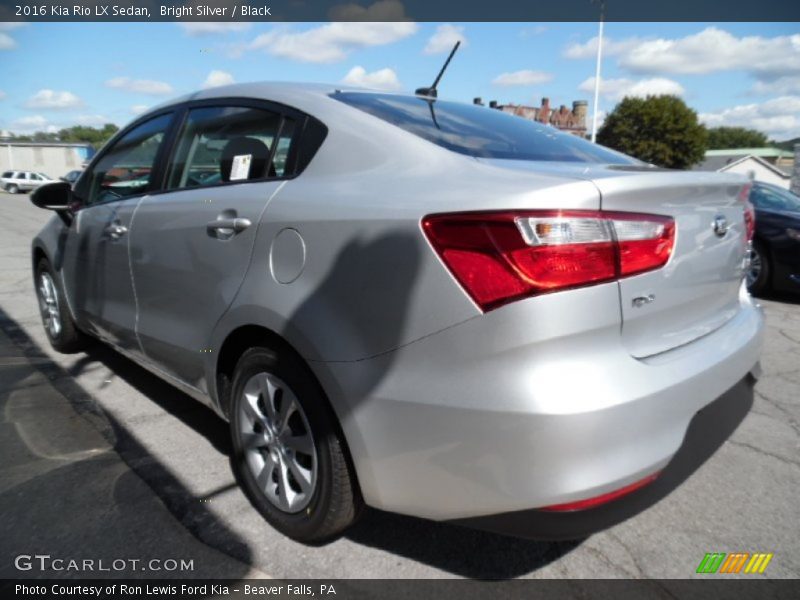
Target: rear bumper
{"points": [[512, 411]]}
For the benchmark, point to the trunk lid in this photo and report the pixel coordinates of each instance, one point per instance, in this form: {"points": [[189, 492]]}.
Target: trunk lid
{"points": [[697, 291]]}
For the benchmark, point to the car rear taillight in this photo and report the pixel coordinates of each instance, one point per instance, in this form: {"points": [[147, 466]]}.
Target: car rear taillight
{"points": [[749, 220], [749, 212], [499, 257]]}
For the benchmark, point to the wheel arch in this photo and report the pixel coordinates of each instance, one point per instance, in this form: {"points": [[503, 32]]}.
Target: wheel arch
{"points": [[766, 243], [236, 343], [244, 337], [38, 253]]}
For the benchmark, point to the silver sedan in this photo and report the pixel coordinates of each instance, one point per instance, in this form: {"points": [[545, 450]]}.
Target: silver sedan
{"points": [[424, 306]]}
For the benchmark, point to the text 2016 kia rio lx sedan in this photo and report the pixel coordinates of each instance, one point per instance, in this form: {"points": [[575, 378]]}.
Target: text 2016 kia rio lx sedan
{"points": [[429, 307]]}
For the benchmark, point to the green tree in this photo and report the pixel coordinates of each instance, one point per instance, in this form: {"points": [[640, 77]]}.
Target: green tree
{"points": [[787, 144], [735, 137], [90, 135], [79, 134], [658, 129]]}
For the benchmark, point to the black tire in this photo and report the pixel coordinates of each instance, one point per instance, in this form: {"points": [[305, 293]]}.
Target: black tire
{"points": [[761, 283], [68, 338], [12, 189], [335, 502]]}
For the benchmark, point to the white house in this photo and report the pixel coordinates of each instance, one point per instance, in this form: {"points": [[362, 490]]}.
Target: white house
{"points": [[756, 163], [760, 170]]}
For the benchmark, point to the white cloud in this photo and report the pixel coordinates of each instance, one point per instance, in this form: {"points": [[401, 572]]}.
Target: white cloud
{"points": [[601, 119], [445, 38], [610, 47], [524, 77], [383, 79], [713, 50], [533, 31], [383, 10], [331, 42], [2, 95], [140, 86], [217, 78], [789, 84], [779, 118], [53, 100], [773, 61], [617, 89], [31, 124], [138, 109], [7, 42], [200, 28]]}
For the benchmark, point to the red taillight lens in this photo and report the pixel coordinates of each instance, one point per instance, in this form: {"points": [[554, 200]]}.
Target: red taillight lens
{"points": [[749, 220], [500, 257], [749, 212], [645, 242]]}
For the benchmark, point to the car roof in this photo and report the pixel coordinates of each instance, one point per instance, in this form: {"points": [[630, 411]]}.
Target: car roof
{"points": [[311, 98], [277, 91]]}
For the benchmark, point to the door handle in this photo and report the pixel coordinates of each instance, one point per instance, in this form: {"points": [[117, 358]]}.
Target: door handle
{"points": [[116, 230], [230, 225]]}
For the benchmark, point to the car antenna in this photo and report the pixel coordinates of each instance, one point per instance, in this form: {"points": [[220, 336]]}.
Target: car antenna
{"points": [[430, 92]]}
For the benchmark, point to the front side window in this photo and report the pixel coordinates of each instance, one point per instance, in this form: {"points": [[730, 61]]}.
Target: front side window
{"points": [[127, 167], [229, 144], [480, 132]]}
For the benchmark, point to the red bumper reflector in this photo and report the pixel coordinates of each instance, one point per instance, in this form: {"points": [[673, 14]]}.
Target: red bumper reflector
{"points": [[603, 498]]}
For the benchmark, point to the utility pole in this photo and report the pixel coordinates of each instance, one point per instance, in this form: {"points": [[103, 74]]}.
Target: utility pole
{"points": [[597, 68]]}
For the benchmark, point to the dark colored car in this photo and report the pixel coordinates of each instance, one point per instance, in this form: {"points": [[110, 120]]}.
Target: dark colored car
{"points": [[775, 260], [71, 177]]}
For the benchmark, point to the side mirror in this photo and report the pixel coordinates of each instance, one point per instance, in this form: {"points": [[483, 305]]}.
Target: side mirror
{"points": [[55, 196]]}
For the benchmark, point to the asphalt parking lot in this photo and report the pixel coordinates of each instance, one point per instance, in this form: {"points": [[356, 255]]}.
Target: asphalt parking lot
{"points": [[109, 461]]}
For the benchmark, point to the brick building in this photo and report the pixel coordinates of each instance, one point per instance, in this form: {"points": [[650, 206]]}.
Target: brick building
{"points": [[572, 121]]}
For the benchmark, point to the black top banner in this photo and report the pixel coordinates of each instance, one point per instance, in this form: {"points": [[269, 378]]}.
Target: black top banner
{"points": [[401, 10]]}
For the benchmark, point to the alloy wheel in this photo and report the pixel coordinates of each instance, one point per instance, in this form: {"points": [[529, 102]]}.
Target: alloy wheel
{"points": [[48, 304], [754, 268], [277, 443]]}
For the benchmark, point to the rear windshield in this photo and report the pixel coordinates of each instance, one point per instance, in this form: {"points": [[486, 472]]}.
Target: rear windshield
{"points": [[480, 131]]}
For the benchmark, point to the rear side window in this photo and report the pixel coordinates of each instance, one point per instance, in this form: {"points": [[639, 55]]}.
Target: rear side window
{"points": [[7, 175], [479, 131], [229, 144]]}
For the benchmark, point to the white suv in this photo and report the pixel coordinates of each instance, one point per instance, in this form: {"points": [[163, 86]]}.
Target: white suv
{"points": [[22, 181]]}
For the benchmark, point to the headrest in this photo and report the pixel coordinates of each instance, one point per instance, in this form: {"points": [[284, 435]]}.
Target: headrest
{"points": [[243, 146]]}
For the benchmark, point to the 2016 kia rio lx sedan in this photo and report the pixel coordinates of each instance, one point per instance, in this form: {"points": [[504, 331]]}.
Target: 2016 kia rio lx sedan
{"points": [[430, 307]]}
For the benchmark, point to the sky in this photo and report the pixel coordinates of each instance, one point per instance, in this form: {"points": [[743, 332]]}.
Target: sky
{"points": [[739, 74]]}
